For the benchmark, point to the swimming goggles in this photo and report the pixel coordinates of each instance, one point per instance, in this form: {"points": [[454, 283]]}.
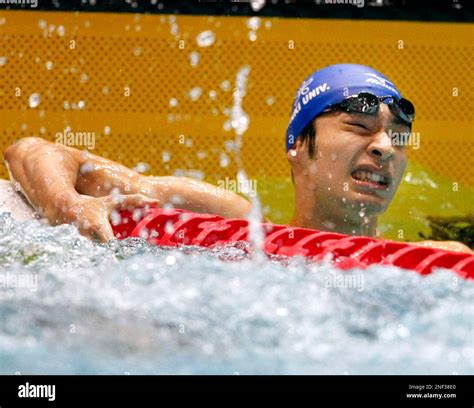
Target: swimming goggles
{"points": [[368, 103]]}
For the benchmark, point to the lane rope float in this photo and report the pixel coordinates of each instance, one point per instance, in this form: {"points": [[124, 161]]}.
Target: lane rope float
{"points": [[177, 227]]}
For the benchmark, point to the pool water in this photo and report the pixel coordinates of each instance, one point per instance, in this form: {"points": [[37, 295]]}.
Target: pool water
{"points": [[131, 308]]}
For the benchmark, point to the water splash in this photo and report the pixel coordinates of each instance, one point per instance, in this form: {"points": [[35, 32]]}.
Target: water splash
{"points": [[239, 122], [129, 306]]}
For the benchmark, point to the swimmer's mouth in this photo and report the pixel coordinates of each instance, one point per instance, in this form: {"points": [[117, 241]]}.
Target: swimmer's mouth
{"points": [[372, 177]]}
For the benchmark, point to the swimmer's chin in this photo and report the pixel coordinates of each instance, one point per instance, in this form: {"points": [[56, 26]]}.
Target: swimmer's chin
{"points": [[361, 206]]}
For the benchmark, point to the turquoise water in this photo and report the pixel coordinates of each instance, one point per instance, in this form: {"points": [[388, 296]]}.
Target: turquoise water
{"points": [[128, 307]]}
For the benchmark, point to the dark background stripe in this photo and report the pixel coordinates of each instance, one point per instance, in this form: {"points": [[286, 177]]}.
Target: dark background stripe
{"points": [[409, 10]]}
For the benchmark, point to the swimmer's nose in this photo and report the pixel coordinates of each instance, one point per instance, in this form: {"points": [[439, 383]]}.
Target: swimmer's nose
{"points": [[381, 147]]}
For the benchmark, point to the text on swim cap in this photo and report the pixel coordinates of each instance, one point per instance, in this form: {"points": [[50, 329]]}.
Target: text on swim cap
{"points": [[310, 95]]}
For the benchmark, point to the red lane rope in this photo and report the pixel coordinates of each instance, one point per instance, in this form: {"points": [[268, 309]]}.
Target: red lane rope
{"points": [[179, 227]]}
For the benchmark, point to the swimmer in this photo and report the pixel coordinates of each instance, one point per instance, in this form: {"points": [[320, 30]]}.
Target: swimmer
{"points": [[345, 167]]}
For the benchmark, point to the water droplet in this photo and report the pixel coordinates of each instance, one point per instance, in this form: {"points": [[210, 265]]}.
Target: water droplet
{"points": [[252, 36], [170, 260], [270, 101], [144, 233], [141, 167], [169, 229], [173, 102], [42, 24], [3, 61], [253, 23], [49, 65], [34, 100], [257, 5], [115, 218], [224, 160], [212, 94], [194, 58], [225, 85], [206, 38], [107, 130], [137, 51], [81, 104], [61, 30], [87, 167], [105, 90], [84, 77], [165, 156], [195, 93], [268, 24], [174, 29]]}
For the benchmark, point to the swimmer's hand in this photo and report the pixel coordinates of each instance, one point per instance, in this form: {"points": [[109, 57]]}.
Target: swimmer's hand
{"points": [[446, 245], [91, 215]]}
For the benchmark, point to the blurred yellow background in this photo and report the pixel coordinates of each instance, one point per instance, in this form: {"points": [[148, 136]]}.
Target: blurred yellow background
{"points": [[151, 94]]}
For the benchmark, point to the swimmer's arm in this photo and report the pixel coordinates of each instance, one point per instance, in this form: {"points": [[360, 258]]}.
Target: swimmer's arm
{"points": [[71, 172], [446, 245], [197, 196], [98, 176]]}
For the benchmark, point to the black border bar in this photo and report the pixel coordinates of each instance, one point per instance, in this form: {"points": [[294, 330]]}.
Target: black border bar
{"points": [[364, 389], [403, 10]]}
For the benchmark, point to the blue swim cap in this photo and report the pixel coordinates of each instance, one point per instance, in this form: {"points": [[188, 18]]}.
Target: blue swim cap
{"points": [[330, 86]]}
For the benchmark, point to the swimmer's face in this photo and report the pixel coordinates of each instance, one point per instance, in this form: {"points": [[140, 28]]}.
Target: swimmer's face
{"points": [[356, 170]]}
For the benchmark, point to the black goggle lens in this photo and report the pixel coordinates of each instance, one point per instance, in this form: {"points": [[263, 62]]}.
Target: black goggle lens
{"points": [[368, 103]]}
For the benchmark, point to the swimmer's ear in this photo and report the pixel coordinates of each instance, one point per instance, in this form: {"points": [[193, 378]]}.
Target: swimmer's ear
{"points": [[295, 151]]}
